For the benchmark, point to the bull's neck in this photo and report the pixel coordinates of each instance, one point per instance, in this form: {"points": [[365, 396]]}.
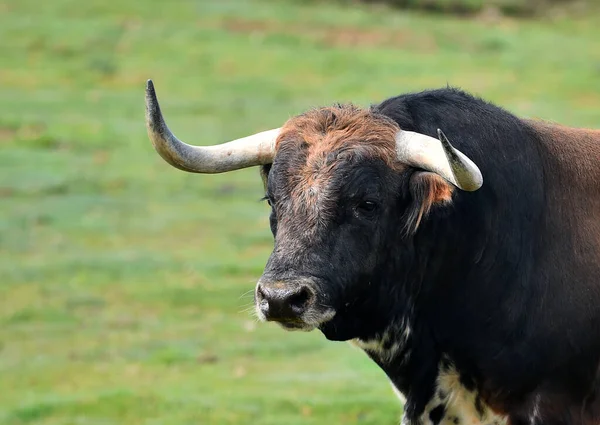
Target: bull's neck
{"points": [[405, 352]]}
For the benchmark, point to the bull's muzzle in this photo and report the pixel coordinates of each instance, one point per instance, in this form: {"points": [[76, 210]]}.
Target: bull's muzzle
{"points": [[291, 303], [284, 302]]}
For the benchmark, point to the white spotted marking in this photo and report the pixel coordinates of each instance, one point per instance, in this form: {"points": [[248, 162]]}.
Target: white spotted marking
{"points": [[386, 346], [460, 404]]}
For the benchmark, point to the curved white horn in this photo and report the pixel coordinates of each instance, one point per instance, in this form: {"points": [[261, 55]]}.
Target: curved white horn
{"points": [[440, 157], [257, 149]]}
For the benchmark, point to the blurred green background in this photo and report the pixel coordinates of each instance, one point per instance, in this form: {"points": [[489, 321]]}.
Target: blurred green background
{"points": [[125, 284]]}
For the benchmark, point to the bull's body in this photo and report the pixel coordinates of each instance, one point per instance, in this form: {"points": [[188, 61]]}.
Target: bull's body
{"points": [[510, 275], [481, 305]]}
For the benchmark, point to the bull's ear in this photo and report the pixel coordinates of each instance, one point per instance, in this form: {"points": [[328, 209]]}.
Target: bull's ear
{"points": [[264, 174], [427, 190]]}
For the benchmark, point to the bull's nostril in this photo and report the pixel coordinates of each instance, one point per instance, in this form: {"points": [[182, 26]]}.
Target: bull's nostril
{"points": [[298, 300], [259, 293]]}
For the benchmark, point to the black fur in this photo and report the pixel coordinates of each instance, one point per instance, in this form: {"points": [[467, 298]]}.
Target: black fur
{"points": [[482, 282]]}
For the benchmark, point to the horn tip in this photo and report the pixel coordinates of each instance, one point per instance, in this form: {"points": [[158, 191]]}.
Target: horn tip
{"points": [[154, 119], [444, 139], [151, 100], [149, 87]]}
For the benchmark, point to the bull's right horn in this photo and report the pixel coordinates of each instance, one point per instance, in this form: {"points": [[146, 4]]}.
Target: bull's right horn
{"points": [[257, 149], [440, 157]]}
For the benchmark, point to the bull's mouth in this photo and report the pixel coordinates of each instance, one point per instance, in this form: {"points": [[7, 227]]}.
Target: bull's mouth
{"points": [[306, 322], [296, 326]]}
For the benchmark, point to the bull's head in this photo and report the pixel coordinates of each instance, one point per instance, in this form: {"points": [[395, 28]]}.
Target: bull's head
{"points": [[344, 184]]}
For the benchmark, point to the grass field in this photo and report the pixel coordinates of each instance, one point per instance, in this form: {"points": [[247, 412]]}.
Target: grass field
{"points": [[124, 283]]}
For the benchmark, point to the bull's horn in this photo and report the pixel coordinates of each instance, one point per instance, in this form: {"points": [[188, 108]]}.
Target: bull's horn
{"points": [[249, 151], [440, 157]]}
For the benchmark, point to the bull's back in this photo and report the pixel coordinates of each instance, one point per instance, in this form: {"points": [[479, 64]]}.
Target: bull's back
{"points": [[574, 154]]}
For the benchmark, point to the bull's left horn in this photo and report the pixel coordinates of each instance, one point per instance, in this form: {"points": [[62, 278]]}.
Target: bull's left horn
{"points": [[257, 149], [440, 157]]}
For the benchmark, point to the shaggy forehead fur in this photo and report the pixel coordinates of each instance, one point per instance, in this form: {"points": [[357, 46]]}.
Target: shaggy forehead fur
{"points": [[317, 142], [340, 128]]}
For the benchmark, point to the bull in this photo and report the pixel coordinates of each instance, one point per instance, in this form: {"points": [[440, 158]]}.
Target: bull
{"points": [[481, 302]]}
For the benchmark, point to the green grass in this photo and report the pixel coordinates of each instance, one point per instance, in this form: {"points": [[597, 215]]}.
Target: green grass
{"points": [[123, 280]]}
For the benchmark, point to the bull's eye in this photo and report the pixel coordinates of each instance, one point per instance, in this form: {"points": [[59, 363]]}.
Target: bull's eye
{"points": [[367, 207], [268, 199]]}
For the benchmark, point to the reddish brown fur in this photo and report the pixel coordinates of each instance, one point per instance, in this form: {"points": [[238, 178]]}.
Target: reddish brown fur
{"points": [[326, 135], [327, 130], [428, 189], [573, 155], [578, 149]]}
